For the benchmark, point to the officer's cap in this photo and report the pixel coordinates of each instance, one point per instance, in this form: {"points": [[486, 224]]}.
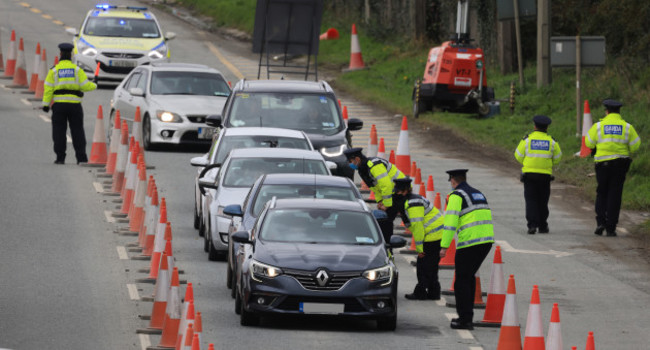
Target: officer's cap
{"points": [[402, 184], [609, 103], [542, 120], [66, 47], [456, 172], [353, 152]]}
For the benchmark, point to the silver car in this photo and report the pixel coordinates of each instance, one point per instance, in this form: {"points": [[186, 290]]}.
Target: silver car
{"points": [[174, 101], [236, 176]]}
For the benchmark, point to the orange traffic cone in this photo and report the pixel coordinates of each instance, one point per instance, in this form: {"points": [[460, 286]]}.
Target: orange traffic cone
{"points": [[391, 157], [372, 196], [196, 344], [186, 340], [198, 325], [151, 221], [586, 125], [418, 181], [131, 175], [554, 337], [436, 202], [411, 249], [413, 170], [381, 150], [510, 333], [163, 284], [430, 192], [330, 34], [10, 67], [42, 74], [173, 313], [210, 346], [356, 60], [136, 212], [159, 249], [37, 62], [20, 74], [168, 249], [187, 323], [402, 157], [56, 60], [423, 192], [373, 145], [120, 163], [98, 154], [478, 294], [450, 291], [496, 294], [449, 261], [345, 115], [114, 145], [149, 239], [534, 336], [591, 343], [137, 129], [2, 60], [127, 169]]}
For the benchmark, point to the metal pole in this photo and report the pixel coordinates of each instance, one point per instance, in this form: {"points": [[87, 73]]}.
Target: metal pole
{"points": [[578, 91], [518, 37]]}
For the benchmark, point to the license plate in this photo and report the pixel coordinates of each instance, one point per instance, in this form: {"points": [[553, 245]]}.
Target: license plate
{"points": [[322, 308], [206, 133], [122, 63]]}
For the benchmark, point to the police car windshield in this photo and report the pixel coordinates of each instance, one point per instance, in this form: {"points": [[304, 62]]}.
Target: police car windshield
{"points": [[122, 27], [188, 83]]}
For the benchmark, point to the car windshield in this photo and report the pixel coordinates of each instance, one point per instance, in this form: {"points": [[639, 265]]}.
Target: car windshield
{"points": [[122, 27], [242, 172], [332, 226], [311, 113], [188, 83], [228, 143], [266, 192]]}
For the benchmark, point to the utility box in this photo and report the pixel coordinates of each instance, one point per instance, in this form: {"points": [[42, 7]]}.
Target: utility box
{"points": [[563, 51], [506, 9]]}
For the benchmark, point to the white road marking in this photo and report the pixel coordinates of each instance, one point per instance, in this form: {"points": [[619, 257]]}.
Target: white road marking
{"points": [[67, 137], [133, 291], [441, 302], [98, 187], [508, 248], [475, 348], [25, 102], [145, 342], [623, 229], [449, 315], [45, 118], [465, 334], [586, 208], [109, 216], [121, 252]]}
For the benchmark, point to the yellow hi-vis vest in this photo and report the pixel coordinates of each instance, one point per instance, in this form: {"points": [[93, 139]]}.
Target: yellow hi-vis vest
{"points": [[424, 220], [613, 138], [538, 152], [383, 173], [469, 214], [65, 76]]}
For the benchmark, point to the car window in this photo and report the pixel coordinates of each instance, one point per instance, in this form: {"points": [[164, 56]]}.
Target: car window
{"points": [[142, 82], [133, 81], [266, 192], [122, 27], [215, 144], [188, 83], [311, 113], [242, 172], [229, 143], [319, 226]]}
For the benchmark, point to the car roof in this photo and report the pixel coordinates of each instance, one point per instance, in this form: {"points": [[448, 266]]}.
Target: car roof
{"points": [[174, 66], [122, 11], [263, 131], [305, 179], [275, 153], [297, 86], [320, 203]]}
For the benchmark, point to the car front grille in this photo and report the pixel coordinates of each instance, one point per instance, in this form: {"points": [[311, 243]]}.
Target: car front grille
{"points": [[197, 118], [193, 137], [122, 55], [115, 70], [308, 279]]}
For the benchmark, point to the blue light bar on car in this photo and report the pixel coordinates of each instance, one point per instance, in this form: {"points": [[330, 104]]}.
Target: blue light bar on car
{"points": [[105, 6]]}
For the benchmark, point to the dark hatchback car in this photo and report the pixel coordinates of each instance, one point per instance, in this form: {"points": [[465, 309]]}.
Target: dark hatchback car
{"points": [[311, 107], [316, 256], [282, 186]]}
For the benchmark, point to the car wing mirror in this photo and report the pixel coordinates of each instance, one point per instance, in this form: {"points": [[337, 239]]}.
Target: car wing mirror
{"points": [[136, 92], [355, 124], [170, 35], [199, 161], [396, 242], [72, 31], [331, 165], [233, 210], [242, 237]]}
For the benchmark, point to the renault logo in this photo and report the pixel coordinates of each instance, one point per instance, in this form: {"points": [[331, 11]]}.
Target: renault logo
{"points": [[322, 278]]}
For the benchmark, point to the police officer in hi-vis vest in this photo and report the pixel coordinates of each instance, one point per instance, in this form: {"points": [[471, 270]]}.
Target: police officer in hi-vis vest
{"points": [[538, 152], [65, 85], [614, 141]]}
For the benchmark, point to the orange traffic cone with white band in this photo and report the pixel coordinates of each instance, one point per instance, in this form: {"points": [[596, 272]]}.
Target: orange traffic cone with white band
{"points": [[42, 74], [151, 220], [418, 181], [20, 74], [163, 283], [586, 125], [330, 34], [120, 163], [114, 145], [37, 62], [510, 334], [158, 250], [127, 169], [137, 208], [10, 67], [373, 145], [356, 59], [345, 115], [402, 157], [554, 336], [137, 129], [449, 261], [591, 343], [186, 340], [381, 150], [534, 336], [391, 157], [198, 325], [98, 154], [196, 343], [172, 313], [430, 192], [478, 293], [496, 297], [168, 249], [436, 202], [131, 176], [160, 230], [186, 323], [422, 192]]}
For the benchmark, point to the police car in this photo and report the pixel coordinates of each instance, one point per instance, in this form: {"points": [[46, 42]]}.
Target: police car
{"points": [[118, 38]]}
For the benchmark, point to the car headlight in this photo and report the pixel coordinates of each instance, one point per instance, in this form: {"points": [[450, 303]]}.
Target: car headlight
{"points": [[168, 117], [333, 151], [158, 52], [381, 274], [85, 49], [260, 270]]}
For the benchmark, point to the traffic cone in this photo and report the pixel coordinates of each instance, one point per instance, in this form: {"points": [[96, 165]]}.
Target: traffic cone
{"points": [[98, 154], [131, 175], [173, 313], [450, 291], [418, 181], [449, 261], [430, 192], [146, 209], [186, 340], [137, 209], [436, 202], [56, 60], [42, 74], [423, 192], [120, 163], [411, 249], [163, 284], [114, 145], [534, 335], [356, 59], [373, 145], [413, 170], [127, 169], [496, 294], [381, 150], [345, 115], [159, 249], [198, 325], [402, 157], [591, 343], [168, 249], [10, 67], [554, 337], [196, 345], [478, 294], [20, 74], [510, 333], [586, 125], [186, 321], [151, 221], [137, 129], [330, 34], [391, 157], [2, 60], [150, 237], [210, 346], [37, 62]]}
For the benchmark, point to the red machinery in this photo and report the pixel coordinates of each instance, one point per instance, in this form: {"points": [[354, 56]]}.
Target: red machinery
{"points": [[454, 76]]}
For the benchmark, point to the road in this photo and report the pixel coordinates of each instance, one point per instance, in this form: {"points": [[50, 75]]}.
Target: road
{"points": [[64, 285]]}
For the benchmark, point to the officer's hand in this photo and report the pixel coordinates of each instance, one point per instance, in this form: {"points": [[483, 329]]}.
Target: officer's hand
{"points": [[443, 252], [46, 109], [421, 255], [381, 206]]}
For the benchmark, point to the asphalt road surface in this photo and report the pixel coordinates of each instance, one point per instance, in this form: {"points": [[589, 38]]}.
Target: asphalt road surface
{"points": [[67, 284]]}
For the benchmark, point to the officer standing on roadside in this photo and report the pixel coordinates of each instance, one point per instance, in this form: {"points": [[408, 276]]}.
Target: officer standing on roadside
{"points": [[378, 174], [468, 214], [425, 223], [614, 140], [65, 85], [538, 152]]}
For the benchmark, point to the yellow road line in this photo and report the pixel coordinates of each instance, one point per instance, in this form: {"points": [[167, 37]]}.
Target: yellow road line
{"points": [[24, 4], [223, 60], [57, 22], [35, 10], [46, 16]]}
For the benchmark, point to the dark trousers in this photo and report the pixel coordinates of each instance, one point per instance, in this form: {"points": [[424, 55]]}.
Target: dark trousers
{"points": [[611, 177], [62, 115], [468, 260], [387, 225], [537, 191], [427, 271]]}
